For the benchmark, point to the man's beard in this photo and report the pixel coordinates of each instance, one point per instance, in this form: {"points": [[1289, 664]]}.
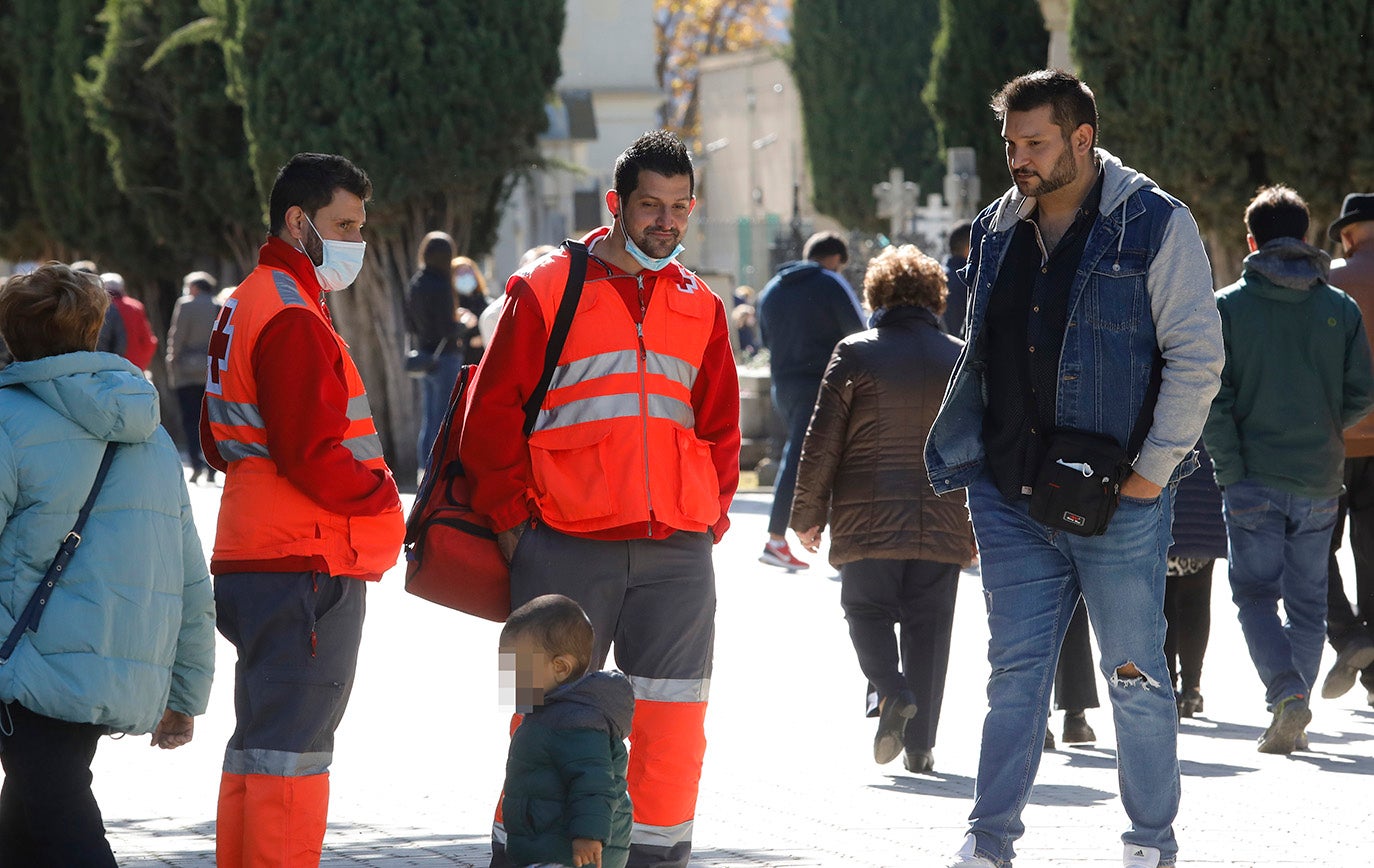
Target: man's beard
{"points": [[656, 248], [1064, 173]]}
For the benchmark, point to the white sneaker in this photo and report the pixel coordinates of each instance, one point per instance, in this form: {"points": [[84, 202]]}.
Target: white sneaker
{"points": [[965, 858], [1140, 857]]}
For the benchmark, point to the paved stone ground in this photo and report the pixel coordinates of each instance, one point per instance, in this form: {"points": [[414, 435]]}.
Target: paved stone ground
{"points": [[789, 778]]}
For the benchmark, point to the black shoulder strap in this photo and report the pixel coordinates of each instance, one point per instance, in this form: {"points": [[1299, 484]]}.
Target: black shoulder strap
{"points": [[38, 603], [562, 322]]}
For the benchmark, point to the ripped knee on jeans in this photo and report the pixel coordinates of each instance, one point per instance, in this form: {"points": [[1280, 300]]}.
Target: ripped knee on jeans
{"points": [[1129, 675]]}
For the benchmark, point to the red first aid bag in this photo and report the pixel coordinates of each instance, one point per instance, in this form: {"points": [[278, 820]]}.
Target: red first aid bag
{"points": [[451, 554]]}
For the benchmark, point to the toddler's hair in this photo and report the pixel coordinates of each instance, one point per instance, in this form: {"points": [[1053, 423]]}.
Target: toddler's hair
{"points": [[557, 625]]}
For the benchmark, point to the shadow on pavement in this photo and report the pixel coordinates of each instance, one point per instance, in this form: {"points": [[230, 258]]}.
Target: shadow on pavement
{"points": [[934, 784], [1219, 729], [1334, 762], [1069, 795]]}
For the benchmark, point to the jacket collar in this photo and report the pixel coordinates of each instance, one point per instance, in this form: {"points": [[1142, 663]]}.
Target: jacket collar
{"points": [[1119, 181], [283, 257]]}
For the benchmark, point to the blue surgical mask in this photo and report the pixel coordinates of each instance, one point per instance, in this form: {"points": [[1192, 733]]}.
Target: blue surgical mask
{"points": [[643, 258], [465, 282], [342, 261]]}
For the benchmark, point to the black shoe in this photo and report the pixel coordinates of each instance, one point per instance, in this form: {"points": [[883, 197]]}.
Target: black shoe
{"points": [[1049, 739], [919, 762], [1076, 729], [1189, 703], [887, 744], [1349, 661], [1291, 717]]}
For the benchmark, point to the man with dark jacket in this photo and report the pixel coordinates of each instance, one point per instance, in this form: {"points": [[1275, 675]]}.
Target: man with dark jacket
{"points": [[957, 307], [805, 310], [1352, 635], [1297, 374]]}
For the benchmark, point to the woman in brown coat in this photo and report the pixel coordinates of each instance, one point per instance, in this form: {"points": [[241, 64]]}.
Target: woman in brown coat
{"points": [[897, 546]]}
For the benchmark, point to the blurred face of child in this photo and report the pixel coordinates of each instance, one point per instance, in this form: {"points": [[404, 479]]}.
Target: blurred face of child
{"points": [[528, 672]]}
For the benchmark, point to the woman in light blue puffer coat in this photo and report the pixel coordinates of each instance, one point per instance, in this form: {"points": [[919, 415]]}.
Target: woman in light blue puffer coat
{"points": [[126, 641]]}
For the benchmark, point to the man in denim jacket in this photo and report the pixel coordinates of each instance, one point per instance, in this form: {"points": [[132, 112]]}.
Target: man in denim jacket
{"points": [[1091, 305]]}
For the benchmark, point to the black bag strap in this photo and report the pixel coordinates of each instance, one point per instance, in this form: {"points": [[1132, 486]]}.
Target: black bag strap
{"points": [[33, 612], [562, 323]]}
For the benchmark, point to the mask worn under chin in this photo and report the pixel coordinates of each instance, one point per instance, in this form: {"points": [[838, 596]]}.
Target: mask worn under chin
{"points": [[643, 258], [341, 262]]}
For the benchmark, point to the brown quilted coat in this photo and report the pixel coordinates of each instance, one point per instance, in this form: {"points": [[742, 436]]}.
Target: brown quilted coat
{"points": [[863, 460]]}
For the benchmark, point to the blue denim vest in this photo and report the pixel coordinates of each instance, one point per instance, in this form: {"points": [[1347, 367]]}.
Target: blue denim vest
{"points": [[1109, 339]]}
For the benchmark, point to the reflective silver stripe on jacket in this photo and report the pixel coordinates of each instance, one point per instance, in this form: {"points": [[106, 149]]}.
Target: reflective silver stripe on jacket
{"points": [[673, 368], [603, 407], [671, 689], [600, 365], [364, 448], [222, 412], [237, 450], [358, 408], [287, 290]]}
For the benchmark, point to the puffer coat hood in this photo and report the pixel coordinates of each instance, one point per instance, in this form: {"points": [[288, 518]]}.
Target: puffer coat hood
{"points": [[129, 629]]}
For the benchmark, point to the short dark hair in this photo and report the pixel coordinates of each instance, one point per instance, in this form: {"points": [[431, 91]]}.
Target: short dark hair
{"points": [[824, 244], [1277, 212], [52, 310], [436, 252], [557, 625], [959, 236], [1071, 102], [309, 181], [657, 151]]}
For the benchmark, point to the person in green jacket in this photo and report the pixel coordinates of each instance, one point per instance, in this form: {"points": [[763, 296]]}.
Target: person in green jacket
{"points": [[565, 800], [1297, 374], [126, 643]]}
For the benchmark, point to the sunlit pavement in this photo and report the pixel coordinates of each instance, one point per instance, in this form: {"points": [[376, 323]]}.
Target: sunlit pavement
{"points": [[789, 777]]}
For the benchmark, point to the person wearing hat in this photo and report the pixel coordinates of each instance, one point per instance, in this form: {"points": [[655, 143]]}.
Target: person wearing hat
{"points": [[1352, 635]]}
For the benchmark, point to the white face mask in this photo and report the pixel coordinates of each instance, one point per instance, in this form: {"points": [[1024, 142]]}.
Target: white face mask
{"points": [[342, 261], [465, 282]]}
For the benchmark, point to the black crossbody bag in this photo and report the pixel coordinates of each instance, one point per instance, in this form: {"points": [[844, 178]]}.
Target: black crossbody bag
{"points": [[1078, 485]]}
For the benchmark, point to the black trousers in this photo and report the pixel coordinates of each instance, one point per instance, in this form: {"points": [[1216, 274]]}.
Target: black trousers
{"points": [[188, 401], [48, 815], [1345, 622], [1188, 610], [1075, 685], [917, 597]]}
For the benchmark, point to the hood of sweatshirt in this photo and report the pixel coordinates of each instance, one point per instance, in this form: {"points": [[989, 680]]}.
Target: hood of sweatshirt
{"points": [[101, 392], [600, 700], [1288, 269]]}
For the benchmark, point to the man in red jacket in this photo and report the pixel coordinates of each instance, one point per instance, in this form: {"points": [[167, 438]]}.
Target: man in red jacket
{"points": [[141, 342], [617, 495], [310, 513]]}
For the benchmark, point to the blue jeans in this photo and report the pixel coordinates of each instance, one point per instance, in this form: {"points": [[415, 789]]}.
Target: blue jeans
{"points": [[1032, 580], [1277, 547], [795, 401], [435, 389]]}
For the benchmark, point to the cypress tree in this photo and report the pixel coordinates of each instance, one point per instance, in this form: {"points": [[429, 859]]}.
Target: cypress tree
{"points": [[73, 189], [982, 44], [440, 103], [860, 66], [1216, 97], [174, 141]]}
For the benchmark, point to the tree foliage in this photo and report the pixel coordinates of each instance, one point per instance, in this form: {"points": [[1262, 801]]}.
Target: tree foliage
{"points": [[688, 30], [982, 44], [74, 193], [22, 234], [860, 66], [174, 141], [1216, 97], [441, 104]]}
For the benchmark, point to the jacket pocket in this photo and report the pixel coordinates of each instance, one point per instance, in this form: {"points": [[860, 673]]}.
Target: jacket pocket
{"points": [[1115, 297], [699, 490], [569, 470]]}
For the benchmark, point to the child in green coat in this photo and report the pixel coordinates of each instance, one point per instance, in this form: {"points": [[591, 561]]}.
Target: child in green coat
{"points": [[565, 799]]}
